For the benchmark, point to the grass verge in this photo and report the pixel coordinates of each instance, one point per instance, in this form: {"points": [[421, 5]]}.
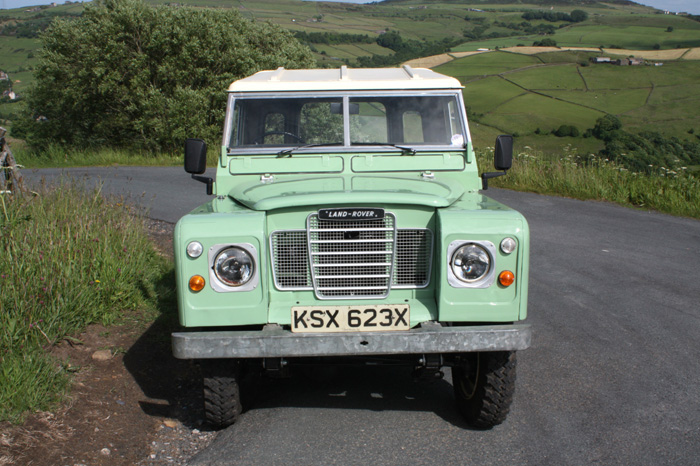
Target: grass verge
{"points": [[68, 258], [670, 190], [60, 157]]}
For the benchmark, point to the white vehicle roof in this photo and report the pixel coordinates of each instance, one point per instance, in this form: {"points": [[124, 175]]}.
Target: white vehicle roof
{"points": [[344, 79]]}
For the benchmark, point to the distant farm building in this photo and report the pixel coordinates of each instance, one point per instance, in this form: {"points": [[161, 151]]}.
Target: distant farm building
{"points": [[620, 61]]}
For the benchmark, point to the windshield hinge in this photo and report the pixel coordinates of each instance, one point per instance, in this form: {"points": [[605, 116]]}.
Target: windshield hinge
{"points": [[267, 178]]}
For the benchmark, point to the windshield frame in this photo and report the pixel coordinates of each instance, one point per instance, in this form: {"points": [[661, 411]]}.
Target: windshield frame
{"points": [[346, 146]]}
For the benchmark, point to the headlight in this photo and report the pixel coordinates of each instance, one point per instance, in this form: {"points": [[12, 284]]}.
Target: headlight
{"points": [[234, 266], [470, 263]]}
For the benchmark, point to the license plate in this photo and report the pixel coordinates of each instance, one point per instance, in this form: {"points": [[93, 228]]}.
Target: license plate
{"points": [[365, 318]]}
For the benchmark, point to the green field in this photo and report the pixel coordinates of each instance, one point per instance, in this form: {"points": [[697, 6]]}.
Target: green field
{"points": [[488, 64], [640, 37], [522, 99]]}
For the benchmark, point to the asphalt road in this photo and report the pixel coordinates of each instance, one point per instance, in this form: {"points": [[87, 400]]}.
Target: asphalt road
{"points": [[612, 377]]}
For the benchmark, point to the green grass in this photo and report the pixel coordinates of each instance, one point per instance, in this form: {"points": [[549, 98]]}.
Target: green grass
{"points": [[519, 115], [637, 37], [624, 77], [567, 56], [610, 101], [68, 259], [520, 96], [352, 51], [486, 64], [501, 42], [553, 76], [671, 191], [57, 156], [483, 95]]}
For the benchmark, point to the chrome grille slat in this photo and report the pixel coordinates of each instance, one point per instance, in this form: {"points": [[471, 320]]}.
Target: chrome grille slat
{"points": [[369, 241], [379, 264], [352, 268]]}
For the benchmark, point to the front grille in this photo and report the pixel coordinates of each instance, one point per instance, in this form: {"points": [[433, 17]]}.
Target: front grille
{"points": [[413, 258], [351, 260], [290, 260]]}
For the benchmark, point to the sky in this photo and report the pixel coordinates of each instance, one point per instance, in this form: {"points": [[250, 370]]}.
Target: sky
{"points": [[689, 6], [8, 4]]}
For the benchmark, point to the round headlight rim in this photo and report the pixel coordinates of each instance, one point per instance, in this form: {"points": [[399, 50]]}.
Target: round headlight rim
{"points": [[481, 277], [488, 279], [226, 282]]}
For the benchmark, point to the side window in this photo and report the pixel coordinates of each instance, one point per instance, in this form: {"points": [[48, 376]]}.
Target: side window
{"points": [[236, 138], [412, 127], [368, 122]]}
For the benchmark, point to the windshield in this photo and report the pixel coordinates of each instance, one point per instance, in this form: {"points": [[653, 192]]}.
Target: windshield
{"points": [[414, 120]]}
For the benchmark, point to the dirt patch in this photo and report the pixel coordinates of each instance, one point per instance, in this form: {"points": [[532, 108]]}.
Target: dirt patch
{"points": [[532, 50], [693, 54], [116, 406], [437, 60], [127, 395], [674, 54]]}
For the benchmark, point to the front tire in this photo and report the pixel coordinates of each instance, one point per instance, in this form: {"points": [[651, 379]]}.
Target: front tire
{"points": [[484, 384], [222, 394]]}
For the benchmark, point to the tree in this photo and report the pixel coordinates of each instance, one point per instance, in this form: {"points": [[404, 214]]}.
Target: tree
{"points": [[547, 42], [606, 126], [578, 16], [129, 75], [566, 130]]}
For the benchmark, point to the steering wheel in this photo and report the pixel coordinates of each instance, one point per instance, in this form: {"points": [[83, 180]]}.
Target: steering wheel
{"points": [[270, 133]]}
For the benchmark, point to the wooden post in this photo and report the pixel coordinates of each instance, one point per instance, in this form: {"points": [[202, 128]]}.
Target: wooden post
{"points": [[10, 177]]}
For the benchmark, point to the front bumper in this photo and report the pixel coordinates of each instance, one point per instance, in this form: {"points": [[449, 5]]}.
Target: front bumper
{"points": [[274, 342]]}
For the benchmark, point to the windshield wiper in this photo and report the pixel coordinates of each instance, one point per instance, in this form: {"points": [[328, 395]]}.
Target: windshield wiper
{"points": [[405, 150], [288, 152]]}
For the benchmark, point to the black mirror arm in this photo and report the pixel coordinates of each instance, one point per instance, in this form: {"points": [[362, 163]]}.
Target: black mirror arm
{"points": [[486, 176], [209, 182]]}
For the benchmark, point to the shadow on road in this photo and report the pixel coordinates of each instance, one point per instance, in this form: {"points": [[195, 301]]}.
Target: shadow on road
{"points": [[361, 387], [173, 386]]}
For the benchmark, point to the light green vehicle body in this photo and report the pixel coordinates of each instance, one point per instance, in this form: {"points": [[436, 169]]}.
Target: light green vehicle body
{"points": [[256, 194], [448, 204]]}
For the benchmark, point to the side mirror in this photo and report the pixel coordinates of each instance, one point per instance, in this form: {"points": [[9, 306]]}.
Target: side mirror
{"points": [[502, 159], [195, 156], [503, 156], [196, 162]]}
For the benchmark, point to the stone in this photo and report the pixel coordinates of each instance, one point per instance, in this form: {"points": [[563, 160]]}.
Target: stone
{"points": [[102, 355]]}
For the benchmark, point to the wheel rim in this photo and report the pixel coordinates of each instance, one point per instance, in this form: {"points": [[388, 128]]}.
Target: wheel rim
{"points": [[469, 382]]}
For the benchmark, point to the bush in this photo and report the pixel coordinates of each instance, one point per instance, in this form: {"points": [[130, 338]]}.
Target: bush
{"points": [[545, 43], [566, 130], [125, 74], [671, 191], [606, 126]]}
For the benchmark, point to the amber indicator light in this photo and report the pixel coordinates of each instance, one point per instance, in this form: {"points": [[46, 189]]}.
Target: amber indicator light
{"points": [[506, 278], [197, 283]]}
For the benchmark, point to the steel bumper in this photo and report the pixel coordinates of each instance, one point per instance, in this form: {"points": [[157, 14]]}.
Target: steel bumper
{"points": [[273, 342]]}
